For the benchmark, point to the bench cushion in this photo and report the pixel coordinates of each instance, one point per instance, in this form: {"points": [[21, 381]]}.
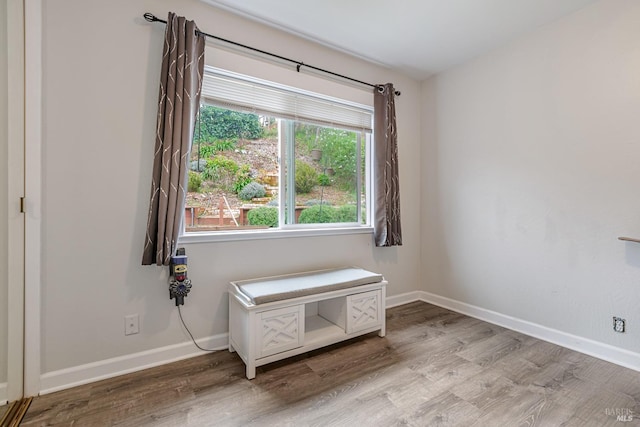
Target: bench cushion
{"points": [[279, 288]]}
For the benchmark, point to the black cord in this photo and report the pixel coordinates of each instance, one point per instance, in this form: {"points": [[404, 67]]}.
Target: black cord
{"points": [[189, 332], [199, 134]]}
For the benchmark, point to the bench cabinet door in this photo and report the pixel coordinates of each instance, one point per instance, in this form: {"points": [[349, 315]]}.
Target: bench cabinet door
{"points": [[364, 311], [279, 330]]}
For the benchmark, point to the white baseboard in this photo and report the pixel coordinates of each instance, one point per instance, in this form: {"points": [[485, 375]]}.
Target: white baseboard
{"points": [[396, 300], [603, 351], [70, 377], [3, 394], [96, 371], [83, 374]]}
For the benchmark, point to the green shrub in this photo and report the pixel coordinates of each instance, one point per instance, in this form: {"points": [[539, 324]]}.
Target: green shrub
{"points": [[263, 216], [347, 213], [210, 148], [222, 171], [220, 164], [225, 144], [195, 181], [242, 178], [251, 190], [318, 214], [306, 177], [220, 123], [206, 151], [324, 180]]}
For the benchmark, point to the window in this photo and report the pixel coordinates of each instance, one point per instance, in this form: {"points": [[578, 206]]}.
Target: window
{"points": [[267, 157]]}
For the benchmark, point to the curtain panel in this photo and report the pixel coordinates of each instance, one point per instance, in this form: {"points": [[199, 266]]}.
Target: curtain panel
{"points": [[387, 229], [178, 104]]}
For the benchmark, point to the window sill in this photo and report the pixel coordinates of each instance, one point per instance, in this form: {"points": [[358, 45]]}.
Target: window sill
{"points": [[232, 236]]}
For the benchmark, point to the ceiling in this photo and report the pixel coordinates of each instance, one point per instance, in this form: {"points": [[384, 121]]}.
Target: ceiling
{"points": [[417, 37]]}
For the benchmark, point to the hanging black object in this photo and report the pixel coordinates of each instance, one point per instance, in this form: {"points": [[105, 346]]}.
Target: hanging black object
{"points": [[179, 284]]}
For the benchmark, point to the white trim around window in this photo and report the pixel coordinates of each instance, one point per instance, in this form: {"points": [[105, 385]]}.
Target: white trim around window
{"points": [[281, 233], [238, 92]]}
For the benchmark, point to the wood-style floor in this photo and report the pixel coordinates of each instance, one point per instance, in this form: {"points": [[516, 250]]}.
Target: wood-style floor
{"points": [[434, 368], [3, 409]]}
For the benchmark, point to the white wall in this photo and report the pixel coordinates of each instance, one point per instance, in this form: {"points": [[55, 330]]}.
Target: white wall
{"points": [[4, 178], [100, 87], [531, 173]]}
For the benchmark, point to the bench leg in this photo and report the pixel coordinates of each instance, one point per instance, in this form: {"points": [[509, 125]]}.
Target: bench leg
{"points": [[383, 331], [251, 371], [231, 349]]}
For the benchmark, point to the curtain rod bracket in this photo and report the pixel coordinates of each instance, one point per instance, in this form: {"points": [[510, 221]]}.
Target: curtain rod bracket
{"points": [[380, 89]]}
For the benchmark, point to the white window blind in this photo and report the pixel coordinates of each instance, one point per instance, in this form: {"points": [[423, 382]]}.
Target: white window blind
{"points": [[236, 91]]}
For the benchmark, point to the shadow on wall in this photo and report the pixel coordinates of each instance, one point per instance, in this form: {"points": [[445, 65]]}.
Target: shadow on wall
{"points": [[386, 255], [148, 284], [632, 254]]}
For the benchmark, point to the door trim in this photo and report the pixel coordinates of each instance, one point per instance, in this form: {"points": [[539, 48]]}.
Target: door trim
{"points": [[15, 171], [33, 191]]}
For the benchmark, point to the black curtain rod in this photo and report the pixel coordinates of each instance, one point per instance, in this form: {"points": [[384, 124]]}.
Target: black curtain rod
{"points": [[152, 18]]}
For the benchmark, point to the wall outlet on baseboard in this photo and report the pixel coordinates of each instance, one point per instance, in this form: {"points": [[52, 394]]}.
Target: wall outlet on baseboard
{"points": [[131, 324], [619, 324]]}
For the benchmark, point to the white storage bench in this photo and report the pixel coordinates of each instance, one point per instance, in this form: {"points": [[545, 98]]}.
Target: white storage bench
{"points": [[273, 318]]}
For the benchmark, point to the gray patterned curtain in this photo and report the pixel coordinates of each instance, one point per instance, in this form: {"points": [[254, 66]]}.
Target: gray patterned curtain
{"points": [[178, 102], [387, 230]]}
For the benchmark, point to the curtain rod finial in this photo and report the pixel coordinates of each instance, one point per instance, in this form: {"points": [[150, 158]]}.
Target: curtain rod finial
{"points": [[150, 17]]}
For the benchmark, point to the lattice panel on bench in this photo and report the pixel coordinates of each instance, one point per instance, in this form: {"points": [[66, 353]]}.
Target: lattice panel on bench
{"points": [[364, 311], [281, 330]]}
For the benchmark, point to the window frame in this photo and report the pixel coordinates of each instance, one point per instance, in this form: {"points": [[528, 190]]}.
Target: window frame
{"points": [[297, 230]]}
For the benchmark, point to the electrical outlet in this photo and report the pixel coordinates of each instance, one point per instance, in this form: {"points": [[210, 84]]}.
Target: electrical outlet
{"points": [[618, 324], [131, 324]]}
